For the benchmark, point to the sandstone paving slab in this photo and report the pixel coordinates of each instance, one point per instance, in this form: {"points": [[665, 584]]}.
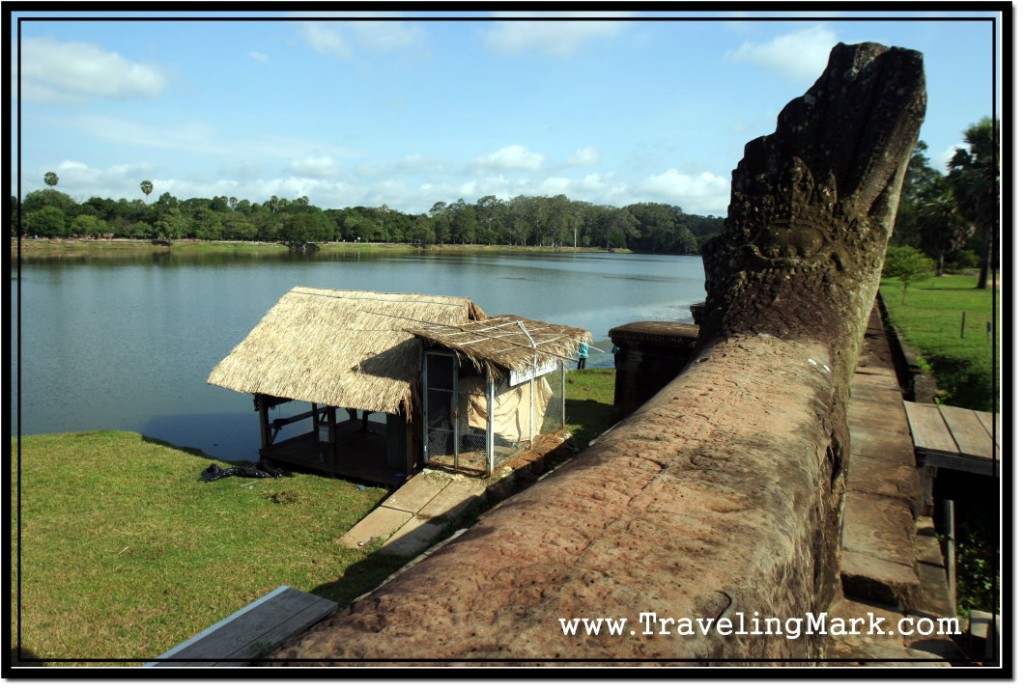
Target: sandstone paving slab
{"points": [[456, 498], [874, 649], [878, 560], [416, 535], [896, 447], [417, 491], [417, 513], [379, 523], [936, 599], [881, 410], [884, 464]]}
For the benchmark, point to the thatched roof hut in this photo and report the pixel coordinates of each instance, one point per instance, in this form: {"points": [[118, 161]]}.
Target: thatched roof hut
{"points": [[507, 342], [348, 349]]}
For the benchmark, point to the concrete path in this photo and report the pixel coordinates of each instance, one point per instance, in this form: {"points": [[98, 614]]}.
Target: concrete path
{"points": [[417, 513]]}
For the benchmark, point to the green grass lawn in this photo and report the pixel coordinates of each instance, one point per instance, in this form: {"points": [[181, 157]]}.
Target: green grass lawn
{"points": [[930, 319], [589, 395], [125, 552]]}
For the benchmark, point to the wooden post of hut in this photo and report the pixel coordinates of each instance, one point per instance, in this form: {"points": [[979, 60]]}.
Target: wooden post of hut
{"points": [[489, 441], [326, 435], [264, 411], [561, 366]]}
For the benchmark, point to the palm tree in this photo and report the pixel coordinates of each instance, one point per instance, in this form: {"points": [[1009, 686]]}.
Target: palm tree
{"points": [[942, 228], [51, 179], [974, 178], [147, 188]]}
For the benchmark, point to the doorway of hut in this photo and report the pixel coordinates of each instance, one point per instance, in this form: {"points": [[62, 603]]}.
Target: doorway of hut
{"points": [[344, 442], [450, 441], [475, 419]]}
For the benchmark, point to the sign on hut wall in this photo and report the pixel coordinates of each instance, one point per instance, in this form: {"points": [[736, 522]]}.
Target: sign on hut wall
{"points": [[518, 376]]}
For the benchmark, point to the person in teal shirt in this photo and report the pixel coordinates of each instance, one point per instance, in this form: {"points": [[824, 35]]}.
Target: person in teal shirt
{"points": [[584, 352]]}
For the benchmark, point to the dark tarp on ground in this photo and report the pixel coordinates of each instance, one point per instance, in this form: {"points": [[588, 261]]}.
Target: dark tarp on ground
{"points": [[260, 470]]}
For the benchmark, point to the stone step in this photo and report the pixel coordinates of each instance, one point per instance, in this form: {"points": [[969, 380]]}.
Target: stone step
{"points": [[878, 559]]}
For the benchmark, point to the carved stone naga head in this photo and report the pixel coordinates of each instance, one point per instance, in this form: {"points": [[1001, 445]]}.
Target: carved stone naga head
{"points": [[813, 204]]}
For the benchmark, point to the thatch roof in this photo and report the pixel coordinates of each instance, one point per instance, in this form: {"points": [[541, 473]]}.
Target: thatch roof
{"points": [[507, 341], [348, 349]]}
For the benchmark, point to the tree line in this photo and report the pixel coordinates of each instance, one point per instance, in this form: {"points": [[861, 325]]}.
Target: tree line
{"points": [[951, 219], [523, 220]]}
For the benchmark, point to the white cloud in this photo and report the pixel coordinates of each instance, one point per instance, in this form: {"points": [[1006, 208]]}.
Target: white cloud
{"points": [[203, 138], [556, 35], [82, 181], [73, 71], [400, 188], [313, 167], [386, 36], [341, 39], [73, 173], [800, 55], [602, 183], [695, 194], [554, 186], [514, 157], [258, 56], [585, 158], [187, 136], [945, 157], [325, 39]]}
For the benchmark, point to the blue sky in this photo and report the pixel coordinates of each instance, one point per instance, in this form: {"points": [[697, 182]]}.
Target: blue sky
{"points": [[407, 109]]}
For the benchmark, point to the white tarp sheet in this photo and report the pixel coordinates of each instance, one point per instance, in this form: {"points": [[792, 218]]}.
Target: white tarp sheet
{"points": [[511, 407]]}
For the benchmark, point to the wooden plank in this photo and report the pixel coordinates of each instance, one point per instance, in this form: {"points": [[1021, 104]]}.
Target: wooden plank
{"points": [[277, 633], [990, 421], [964, 464], [254, 626], [251, 631], [178, 649], [986, 420], [257, 631], [970, 435], [928, 428]]}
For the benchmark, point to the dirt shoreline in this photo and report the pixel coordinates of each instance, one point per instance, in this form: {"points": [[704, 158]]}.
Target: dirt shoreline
{"points": [[68, 248]]}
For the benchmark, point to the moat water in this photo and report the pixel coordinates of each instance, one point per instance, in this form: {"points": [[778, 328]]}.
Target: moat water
{"points": [[129, 344]]}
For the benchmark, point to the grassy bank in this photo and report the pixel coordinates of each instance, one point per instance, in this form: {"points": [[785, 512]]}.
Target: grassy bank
{"points": [[588, 403], [125, 553], [930, 319], [33, 249], [45, 249]]}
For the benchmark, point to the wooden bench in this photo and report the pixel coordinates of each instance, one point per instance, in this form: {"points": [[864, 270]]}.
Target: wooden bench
{"points": [[954, 438], [251, 632]]}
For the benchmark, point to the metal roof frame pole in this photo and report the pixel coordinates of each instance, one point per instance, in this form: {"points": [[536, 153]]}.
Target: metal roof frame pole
{"points": [[454, 411], [531, 411], [533, 344], [490, 423], [425, 407], [562, 367]]}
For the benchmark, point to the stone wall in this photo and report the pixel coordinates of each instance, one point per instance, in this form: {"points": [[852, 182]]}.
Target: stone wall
{"points": [[648, 356]]}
